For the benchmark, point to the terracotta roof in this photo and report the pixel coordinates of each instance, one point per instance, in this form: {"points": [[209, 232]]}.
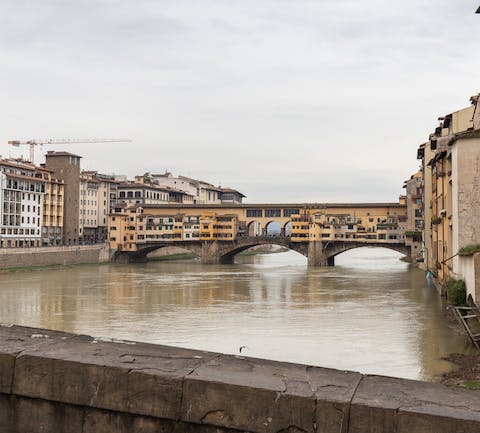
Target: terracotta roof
{"points": [[21, 165], [20, 176]]}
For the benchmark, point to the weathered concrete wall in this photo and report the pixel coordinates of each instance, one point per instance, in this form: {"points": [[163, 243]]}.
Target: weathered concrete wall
{"points": [[468, 270], [468, 193], [57, 382], [18, 257]]}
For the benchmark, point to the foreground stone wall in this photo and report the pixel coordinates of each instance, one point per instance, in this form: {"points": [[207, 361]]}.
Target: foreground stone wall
{"points": [[44, 256], [58, 382]]}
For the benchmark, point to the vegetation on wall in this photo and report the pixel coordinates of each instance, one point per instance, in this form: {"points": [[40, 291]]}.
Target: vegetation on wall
{"points": [[436, 220], [412, 233], [469, 250], [457, 292]]}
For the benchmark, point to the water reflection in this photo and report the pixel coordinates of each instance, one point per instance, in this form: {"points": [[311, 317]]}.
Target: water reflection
{"points": [[372, 312]]}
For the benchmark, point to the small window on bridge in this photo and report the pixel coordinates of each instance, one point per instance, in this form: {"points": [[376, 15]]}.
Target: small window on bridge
{"points": [[254, 213], [288, 212], [272, 213]]}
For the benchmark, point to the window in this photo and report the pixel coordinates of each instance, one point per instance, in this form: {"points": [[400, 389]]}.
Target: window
{"points": [[288, 212], [272, 213], [253, 213]]}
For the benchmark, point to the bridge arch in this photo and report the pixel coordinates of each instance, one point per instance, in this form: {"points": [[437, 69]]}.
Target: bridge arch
{"points": [[141, 254], [173, 250], [333, 249], [254, 228], [273, 228], [227, 254]]}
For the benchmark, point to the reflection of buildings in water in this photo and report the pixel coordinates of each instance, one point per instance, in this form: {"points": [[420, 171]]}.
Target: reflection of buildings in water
{"points": [[19, 304], [109, 298], [70, 296]]}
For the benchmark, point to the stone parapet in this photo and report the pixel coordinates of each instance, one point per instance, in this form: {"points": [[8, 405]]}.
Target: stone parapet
{"points": [[52, 381]]}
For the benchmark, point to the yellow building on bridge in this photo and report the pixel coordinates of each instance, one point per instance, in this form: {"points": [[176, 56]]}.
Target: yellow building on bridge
{"points": [[133, 227]]}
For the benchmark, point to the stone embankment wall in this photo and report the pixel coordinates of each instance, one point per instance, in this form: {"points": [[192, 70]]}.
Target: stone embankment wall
{"points": [[44, 256], [57, 382]]}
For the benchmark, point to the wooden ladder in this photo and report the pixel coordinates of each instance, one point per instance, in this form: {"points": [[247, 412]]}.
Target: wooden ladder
{"points": [[470, 313]]}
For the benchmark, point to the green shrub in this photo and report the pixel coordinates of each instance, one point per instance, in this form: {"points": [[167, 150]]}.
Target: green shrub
{"points": [[472, 384], [469, 250], [457, 292]]}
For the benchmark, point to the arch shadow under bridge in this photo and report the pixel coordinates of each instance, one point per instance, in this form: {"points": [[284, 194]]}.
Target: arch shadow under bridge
{"points": [[318, 253]]}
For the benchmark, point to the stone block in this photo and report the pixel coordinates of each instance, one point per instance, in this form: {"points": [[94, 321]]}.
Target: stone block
{"points": [[101, 421], [6, 414], [131, 377], [334, 390], [39, 416], [267, 396], [391, 405], [409, 422], [14, 340]]}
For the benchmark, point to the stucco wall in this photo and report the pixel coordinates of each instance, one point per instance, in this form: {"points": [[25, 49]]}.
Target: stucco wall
{"points": [[466, 272], [468, 175]]}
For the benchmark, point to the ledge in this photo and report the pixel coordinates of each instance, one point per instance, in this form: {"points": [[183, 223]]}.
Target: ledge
{"points": [[118, 386]]}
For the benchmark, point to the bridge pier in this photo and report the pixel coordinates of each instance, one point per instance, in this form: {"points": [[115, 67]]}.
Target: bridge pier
{"points": [[317, 256], [210, 254]]}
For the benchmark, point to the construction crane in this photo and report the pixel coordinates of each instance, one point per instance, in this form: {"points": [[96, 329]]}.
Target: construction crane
{"points": [[41, 142]]}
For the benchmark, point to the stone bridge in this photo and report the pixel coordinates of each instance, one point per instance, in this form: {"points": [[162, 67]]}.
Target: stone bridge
{"points": [[215, 252], [56, 382]]}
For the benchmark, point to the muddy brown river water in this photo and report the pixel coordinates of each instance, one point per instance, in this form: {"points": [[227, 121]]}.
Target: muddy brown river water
{"points": [[371, 313]]}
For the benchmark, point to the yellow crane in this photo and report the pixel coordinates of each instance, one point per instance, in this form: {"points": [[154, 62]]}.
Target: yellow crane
{"points": [[41, 142]]}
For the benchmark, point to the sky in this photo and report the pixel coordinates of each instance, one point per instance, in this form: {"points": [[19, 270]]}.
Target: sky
{"points": [[286, 101]]}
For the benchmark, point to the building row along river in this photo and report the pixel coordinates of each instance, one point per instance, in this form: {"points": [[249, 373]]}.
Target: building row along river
{"points": [[56, 203]]}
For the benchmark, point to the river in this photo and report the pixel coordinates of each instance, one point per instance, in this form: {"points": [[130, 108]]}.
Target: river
{"points": [[372, 312]]}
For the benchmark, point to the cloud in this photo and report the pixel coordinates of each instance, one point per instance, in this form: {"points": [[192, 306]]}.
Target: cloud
{"points": [[240, 91]]}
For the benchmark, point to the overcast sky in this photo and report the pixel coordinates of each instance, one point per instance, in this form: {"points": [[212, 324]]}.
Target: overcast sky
{"points": [[285, 100]]}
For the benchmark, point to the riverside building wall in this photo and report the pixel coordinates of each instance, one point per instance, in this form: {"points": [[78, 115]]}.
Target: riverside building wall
{"points": [[66, 167], [451, 197]]}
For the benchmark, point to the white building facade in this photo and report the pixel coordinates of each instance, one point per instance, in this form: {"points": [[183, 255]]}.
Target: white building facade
{"points": [[22, 194]]}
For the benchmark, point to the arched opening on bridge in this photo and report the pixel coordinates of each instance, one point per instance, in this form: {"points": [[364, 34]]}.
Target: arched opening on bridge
{"points": [[170, 253], [271, 252], [372, 258], [254, 228], [287, 228], [273, 229]]}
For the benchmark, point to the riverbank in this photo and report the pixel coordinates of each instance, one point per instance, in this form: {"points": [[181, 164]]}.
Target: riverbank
{"points": [[17, 258], [467, 371], [41, 268]]}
